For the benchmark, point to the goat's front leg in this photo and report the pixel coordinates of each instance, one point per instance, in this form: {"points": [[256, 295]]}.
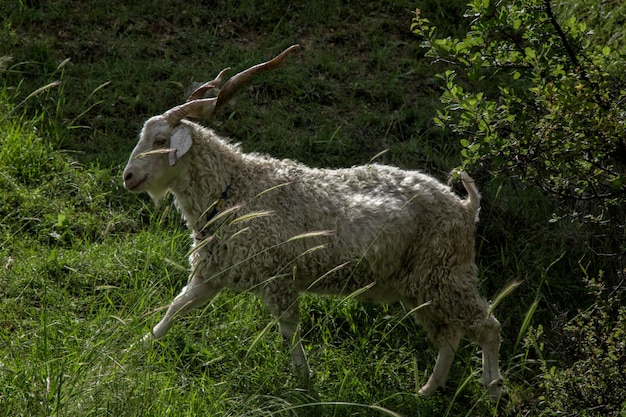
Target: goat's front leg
{"points": [[447, 343], [291, 332], [195, 294], [487, 335]]}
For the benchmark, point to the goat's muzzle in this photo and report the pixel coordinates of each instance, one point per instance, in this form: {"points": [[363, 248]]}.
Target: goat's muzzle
{"points": [[132, 182]]}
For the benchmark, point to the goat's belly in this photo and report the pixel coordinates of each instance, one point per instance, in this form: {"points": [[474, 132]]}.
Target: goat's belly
{"points": [[354, 279]]}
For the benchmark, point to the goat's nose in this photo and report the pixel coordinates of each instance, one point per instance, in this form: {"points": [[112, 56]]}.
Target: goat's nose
{"points": [[128, 176]]}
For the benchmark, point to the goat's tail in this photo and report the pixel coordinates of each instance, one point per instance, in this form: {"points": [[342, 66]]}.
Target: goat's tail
{"points": [[473, 196]]}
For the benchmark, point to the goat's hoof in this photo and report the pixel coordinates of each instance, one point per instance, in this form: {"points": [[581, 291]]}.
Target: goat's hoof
{"points": [[305, 384], [496, 391], [427, 390], [144, 341]]}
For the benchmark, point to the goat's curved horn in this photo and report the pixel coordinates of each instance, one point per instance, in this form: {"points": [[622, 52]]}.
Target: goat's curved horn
{"points": [[239, 80], [204, 107], [196, 106], [199, 92]]}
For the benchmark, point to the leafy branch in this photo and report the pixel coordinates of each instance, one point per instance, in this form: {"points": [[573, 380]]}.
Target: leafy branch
{"points": [[524, 104]]}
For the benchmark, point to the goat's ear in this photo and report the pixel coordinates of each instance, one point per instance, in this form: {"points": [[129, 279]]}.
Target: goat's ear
{"points": [[180, 143]]}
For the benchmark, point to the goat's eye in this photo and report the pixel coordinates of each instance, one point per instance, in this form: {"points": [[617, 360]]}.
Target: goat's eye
{"points": [[159, 142]]}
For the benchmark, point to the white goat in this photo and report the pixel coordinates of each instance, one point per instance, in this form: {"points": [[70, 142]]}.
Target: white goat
{"points": [[279, 228]]}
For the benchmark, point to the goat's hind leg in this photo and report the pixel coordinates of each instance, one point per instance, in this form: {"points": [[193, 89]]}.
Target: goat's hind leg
{"points": [[195, 294], [288, 322]]}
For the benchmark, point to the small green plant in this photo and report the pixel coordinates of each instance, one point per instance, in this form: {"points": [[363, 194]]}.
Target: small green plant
{"points": [[589, 378]]}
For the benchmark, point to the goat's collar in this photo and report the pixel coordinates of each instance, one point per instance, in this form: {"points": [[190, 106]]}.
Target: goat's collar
{"points": [[219, 204], [203, 229]]}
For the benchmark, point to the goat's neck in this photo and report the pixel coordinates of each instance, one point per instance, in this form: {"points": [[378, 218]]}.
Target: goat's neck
{"points": [[211, 166]]}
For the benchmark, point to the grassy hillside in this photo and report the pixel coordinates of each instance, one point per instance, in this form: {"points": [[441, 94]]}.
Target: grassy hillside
{"points": [[86, 268]]}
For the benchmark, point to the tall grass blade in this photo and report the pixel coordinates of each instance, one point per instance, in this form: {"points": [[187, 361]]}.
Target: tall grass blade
{"points": [[251, 216], [331, 271], [267, 190], [40, 90], [502, 295], [63, 64], [31, 95], [260, 335], [533, 307], [71, 124], [321, 233], [378, 155], [154, 152], [413, 310], [458, 391], [360, 291], [528, 317], [380, 409], [98, 88]]}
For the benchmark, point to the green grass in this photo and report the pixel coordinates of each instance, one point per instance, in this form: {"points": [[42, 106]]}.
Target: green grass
{"points": [[86, 268]]}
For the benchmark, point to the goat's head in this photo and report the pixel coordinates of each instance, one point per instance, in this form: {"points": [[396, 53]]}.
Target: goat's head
{"points": [[166, 138]]}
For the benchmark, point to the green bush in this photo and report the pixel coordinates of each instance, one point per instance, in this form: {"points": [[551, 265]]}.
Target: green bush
{"points": [[534, 97]]}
